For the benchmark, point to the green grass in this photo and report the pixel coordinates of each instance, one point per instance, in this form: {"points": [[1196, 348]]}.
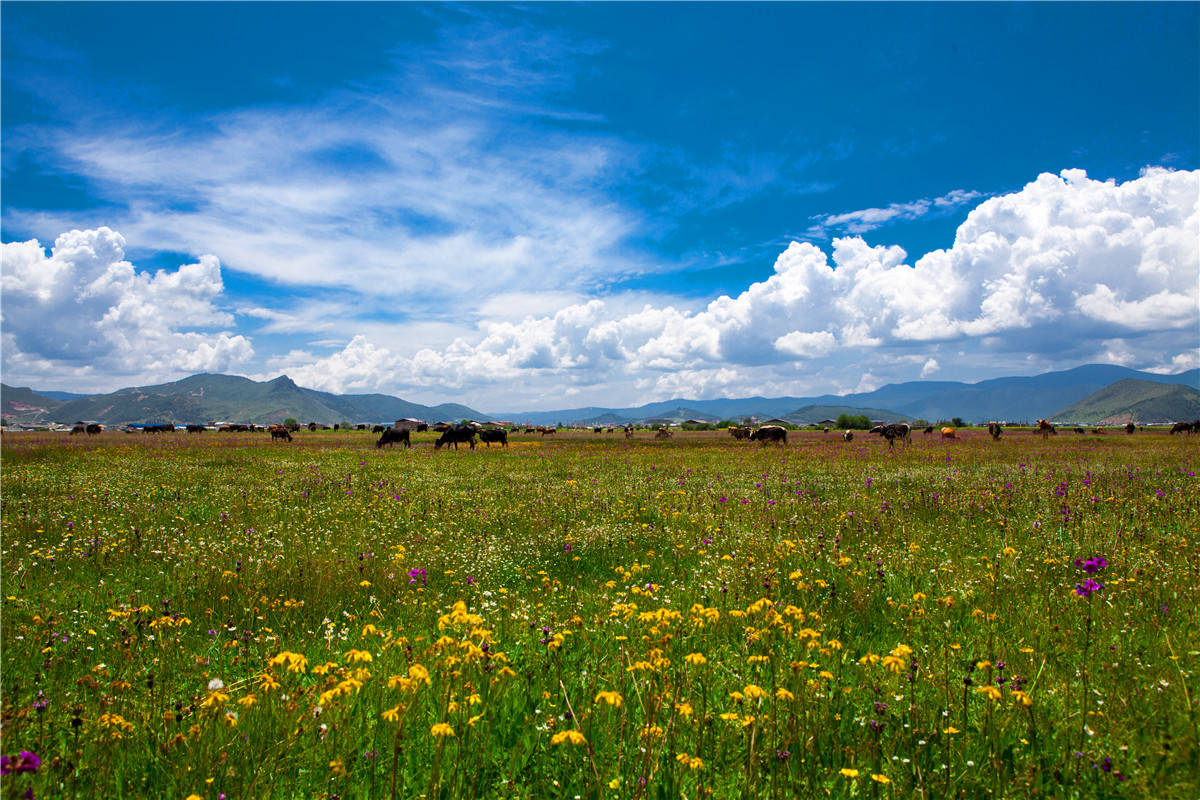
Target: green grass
{"points": [[853, 606]]}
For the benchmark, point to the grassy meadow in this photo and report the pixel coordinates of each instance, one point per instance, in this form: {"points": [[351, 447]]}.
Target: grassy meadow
{"points": [[216, 616]]}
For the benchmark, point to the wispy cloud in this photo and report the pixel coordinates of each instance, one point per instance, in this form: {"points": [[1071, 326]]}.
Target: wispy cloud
{"points": [[452, 177], [865, 220]]}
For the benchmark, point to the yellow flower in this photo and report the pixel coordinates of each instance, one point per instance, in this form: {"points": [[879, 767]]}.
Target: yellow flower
{"points": [[358, 655], [418, 673], [849, 773], [193, 797], [783, 694], [337, 767], [684, 709], [695, 658], [442, 729], [392, 714], [612, 698], [881, 779], [950, 730], [754, 692], [992, 692], [1022, 698], [570, 736]]}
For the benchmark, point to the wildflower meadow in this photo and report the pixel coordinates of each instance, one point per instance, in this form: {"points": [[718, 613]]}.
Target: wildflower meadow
{"points": [[218, 616]]}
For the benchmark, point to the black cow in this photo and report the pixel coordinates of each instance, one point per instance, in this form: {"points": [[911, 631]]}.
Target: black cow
{"points": [[740, 434], [1186, 427], [165, 427], [498, 436], [394, 436], [377, 429], [454, 435], [995, 430], [81, 428], [279, 432], [193, 428], [928, 429], [897, 430], [1130, 428], [770, 433]]}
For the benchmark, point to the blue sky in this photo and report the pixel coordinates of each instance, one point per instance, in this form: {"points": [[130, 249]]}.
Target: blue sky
{"points": [[532, 206]]}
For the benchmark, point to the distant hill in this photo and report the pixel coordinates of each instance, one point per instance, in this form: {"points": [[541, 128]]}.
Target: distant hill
{"points": [[1009, 399], [210, 398], [1133, 400], [813, 414], [24, 406]]}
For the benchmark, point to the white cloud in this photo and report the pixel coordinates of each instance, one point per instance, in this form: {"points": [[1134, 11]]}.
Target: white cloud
{"points": [[85, 311], [452, 175], [1064, 271], [868, 219], [1066, 267]]}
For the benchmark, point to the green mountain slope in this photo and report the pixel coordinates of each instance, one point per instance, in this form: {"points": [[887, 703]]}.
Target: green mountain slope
{"points": [[1133, 400], [209, 398], [20, 404]]}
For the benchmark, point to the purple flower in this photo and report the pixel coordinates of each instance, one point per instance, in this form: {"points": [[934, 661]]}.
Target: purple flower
{"points": [[1087, 587], [24, 761], [1092, 565]]}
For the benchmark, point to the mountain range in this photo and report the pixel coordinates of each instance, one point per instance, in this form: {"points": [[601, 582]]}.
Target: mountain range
{"points": [[1109, 392]]}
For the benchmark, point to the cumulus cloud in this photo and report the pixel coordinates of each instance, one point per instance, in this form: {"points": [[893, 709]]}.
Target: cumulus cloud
{"points": [[1067, 265], [84, 310]]}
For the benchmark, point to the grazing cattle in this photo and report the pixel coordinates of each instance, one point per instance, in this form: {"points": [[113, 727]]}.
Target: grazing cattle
{"points": [[531, 430], [662, 433], [897, 430], [994, 430], [628, 431], [739, 433], [1079, 431], [949, 433], [394, 436], [165, 427], [1098, 429], [928, 429], [547, 431], [193, 428], [1045, 428], [279, 432], [312, 426], [848, 436], [456, 434], [1186, 427], [770, 433], [377, 429], [598, 429], [498, 436], [826, 430], [81, 428], [1130, 428]]}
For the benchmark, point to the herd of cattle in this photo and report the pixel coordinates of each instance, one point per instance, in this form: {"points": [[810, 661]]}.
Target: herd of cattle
{"points": [[467, 433]]}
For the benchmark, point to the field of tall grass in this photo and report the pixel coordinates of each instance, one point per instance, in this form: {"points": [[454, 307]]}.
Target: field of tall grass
{"points": [[215, 616]]}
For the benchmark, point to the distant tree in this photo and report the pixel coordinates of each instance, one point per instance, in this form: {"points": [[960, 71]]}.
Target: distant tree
{"points": [[860, 422], [919, 423], [958, 422], [727, 423], [290, 421]]}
